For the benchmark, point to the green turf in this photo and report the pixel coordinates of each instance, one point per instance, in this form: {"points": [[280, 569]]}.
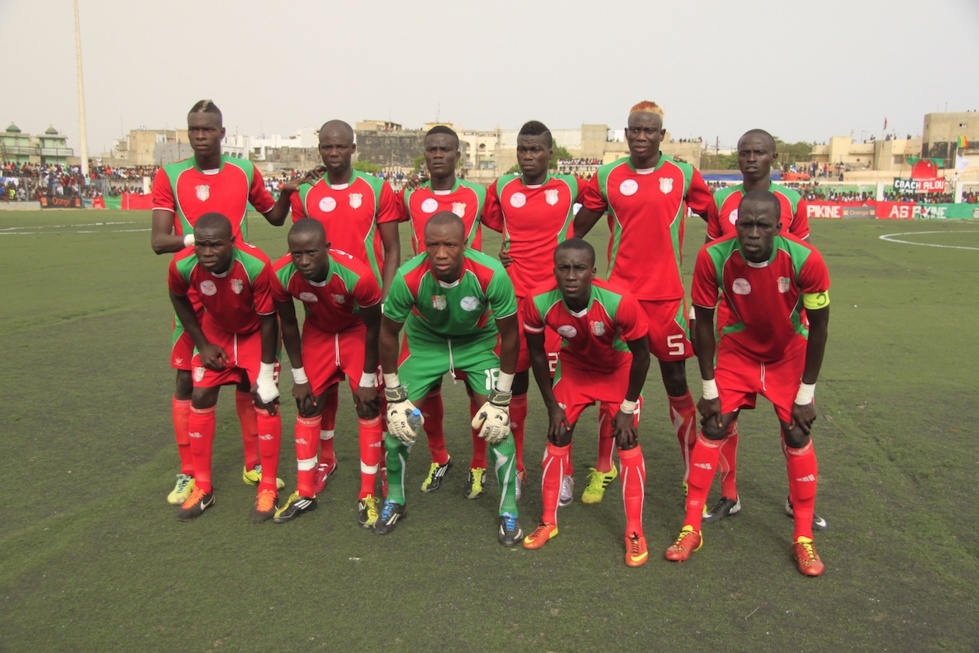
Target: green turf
{"points": [[92, 558]]}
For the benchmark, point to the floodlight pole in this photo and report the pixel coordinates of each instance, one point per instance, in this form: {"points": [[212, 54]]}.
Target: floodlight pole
{"points": [[81, 97]]}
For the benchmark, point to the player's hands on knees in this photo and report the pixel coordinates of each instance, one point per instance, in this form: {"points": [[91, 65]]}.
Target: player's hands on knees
{"points": [[624, 430], [493, 417], [557, 425], [366, 402], [213, 357], [306, 402], [265, 392], [710, 412], [803, 415], [399, 410]]}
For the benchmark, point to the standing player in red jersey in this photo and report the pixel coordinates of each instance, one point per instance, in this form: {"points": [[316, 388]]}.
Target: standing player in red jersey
{"points": [[604, 359], [647, 195], [182, 192], [342, 302], [360, 213], [236, 342], [764, 280], [445, 192], [756, 153], [533, 211]]}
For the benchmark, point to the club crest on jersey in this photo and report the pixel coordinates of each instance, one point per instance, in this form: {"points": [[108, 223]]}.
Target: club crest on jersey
{"points": [[203, 192], [629, 187], [430, 205], [518, 200], [308, 297], [198, 374], [469, 303], [733, 218], [459, 208], [550, 196], [438, 302], [237, 286], [208, 288], [567, 331], [356, 199], [598, 328], [741, 286], [339, 299], [665, 185], [327, 204], [783, 284]]}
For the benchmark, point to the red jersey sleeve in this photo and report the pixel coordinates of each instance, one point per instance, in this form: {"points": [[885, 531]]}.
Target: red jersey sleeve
{"points": [[259, 197], [591, 196], [262, 291], [403, 215], [531, 317], [699, 197], [176, 282], [298, 211], [388, 209], [631, 319], [799, 226], [279, 292], [162, 192], [704, 292], [714, 221], [814, 276], [366, 291], [492, 212]]}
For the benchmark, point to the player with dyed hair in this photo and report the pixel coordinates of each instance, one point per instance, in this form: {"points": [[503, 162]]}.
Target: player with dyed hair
{"points": [[236, 342], [647, 195], [360, 213], [534, 211], [182, 192], [444, 191], [604, 360], [342, 302], [764, 279], [458, 311]]}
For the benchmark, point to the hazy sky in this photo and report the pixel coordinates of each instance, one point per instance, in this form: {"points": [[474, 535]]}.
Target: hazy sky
{"points": [[816, 69]]}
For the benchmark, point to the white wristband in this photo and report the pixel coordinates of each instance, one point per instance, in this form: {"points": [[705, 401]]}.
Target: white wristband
{"points": [[188, 240], [266, 372], [807, 391], [504, 382], [368, 380], [710, 389], [691, 314], [299, 375], [391, 380], [628, 407]]}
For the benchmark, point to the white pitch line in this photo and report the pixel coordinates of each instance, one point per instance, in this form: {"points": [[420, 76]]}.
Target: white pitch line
{"points": [[890, 238]]}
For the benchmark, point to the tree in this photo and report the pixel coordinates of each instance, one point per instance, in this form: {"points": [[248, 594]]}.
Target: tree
{"points": [[559, 154], [789, 153]]}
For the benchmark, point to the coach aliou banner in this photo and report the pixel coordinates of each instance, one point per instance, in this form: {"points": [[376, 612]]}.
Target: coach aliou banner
{"points": [[924, 178]]}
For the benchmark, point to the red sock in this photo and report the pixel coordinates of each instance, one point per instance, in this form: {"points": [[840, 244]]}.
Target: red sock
{"points": [[200, 428], [180, 410], [269, 441], [683, 414], [249, 428], [604, 461], [803, 478], [518, 415], [307, 441], [703, 466], [633, 477], [728, 462], [370, 455], [433, 411], [555, 467], [479, 444]]}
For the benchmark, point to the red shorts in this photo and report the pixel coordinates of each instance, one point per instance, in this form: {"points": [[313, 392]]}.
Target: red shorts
{"points": [[576, 389], [552, 345], [328, 356], [181, 344], [669, 335], [244, 352], [740, 379]]}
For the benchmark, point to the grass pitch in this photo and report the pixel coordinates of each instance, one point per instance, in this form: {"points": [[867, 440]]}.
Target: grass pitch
{"points": [[92, 558]]}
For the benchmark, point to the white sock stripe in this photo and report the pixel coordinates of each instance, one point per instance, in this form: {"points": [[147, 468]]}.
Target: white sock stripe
{"points": [[368, 469], [327, 435], [307, 464]]}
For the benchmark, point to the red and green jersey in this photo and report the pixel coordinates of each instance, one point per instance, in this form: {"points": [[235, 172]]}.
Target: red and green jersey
{"points": [[233, 300], [350, 213], [458, 310], [533, 221], [465, 200], [724, 212], [594, 339], [763, 301], [333, 305], [646, 209], [189, 192]]}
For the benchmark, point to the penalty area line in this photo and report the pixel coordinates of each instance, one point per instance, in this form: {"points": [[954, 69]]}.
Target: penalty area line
{"points": [[891, 239]]}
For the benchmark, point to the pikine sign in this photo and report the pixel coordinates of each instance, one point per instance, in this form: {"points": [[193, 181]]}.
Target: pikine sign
{"points": [[919, 185]]}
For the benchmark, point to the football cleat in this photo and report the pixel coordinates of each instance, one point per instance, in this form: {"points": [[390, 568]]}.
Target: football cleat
{"points": [[723, 508], [818, 523], [295, 506], [264, 508], [254, 477], [804, 552], [636, 553], [474, 487], [510, 532], [597, 482], [391, 512], [195, 505], [686, 543], [435, 474], [322, 472], [541, 536], [567, 491], [182, 490], [367, 513], [518, 490]]}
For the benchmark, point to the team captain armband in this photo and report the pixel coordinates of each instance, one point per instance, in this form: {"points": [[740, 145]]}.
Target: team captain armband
{"points": [[815, 300]]}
